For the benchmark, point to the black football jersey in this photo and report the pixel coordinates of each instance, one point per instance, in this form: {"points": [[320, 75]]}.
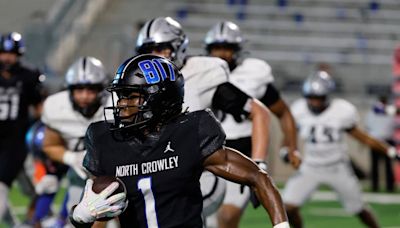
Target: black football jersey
{"points": [[161, 172], [16, 94]]}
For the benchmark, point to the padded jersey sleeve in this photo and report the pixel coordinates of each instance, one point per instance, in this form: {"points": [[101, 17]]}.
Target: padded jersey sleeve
{"points": [[211, 135], [271, 95], [91, 162], [230, 99], [350, 116]]}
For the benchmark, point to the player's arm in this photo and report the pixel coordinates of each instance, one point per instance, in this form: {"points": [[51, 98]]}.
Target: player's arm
{"points": [[228, 98], [53, 145], [54, 148], [373, 143], [277, 105], [232, 165]]}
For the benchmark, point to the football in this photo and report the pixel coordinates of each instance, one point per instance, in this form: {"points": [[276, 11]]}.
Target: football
{"points": [[102, 182]]}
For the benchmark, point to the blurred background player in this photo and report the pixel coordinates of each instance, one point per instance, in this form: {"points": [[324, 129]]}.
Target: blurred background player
{"points": [[322, 122], [206, 86], [380, 124], [254, 77], [68, 113], [148, 128], [20, 88], [47, 176]]}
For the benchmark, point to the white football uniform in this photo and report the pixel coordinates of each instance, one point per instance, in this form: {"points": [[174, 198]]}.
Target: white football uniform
{"points": [[252, 76], [202, 76], [326, 159], [59, 115]]}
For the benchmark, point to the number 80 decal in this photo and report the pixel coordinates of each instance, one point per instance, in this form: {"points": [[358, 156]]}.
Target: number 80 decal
{"points": [[154, 72]]}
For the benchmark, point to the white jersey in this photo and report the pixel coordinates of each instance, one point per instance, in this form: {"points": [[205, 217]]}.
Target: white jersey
{"points": [[59, 115], [202, 76], [324, 133], [252, 76]]}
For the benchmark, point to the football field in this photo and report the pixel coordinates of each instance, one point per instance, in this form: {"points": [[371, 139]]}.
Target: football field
{"points": [[322, 212]]}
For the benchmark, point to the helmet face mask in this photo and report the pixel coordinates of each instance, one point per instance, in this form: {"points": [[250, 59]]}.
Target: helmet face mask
{"points": [[161, 33], [86, 80], [316, 90], [147, 92]]}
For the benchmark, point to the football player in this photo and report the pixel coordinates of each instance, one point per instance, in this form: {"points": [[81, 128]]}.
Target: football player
{"points": [[159, 152], [254, 77], [47, 176], [206, 86], [322, 122], [20, 88], [68, 113]]}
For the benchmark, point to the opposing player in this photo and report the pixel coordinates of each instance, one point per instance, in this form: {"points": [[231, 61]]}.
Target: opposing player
{"points": [[68, 113], [322, 123], [254, 77], [20, 88], [206, 86], [159, 153], [46, 177]]}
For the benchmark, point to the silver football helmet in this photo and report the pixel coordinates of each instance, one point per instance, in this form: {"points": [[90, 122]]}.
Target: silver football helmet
{"points": [[224, 32], [163, 32], [316, 90], [87, 72], [318, 84]]}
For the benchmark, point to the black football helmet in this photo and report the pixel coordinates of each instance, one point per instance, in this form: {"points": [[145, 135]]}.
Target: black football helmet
{"points": [[12, 43], [158, 83]]}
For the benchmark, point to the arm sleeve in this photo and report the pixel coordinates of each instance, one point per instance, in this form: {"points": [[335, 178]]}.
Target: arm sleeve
{"points": [[230, 99], [351, 117], [211, 134], [271, 95], [91, 162]]}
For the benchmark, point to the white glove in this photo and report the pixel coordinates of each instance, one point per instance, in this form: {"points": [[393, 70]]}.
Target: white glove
{"points": [[261, 164], [392, 153], [74, 159], [94, 206], [48, 184]]}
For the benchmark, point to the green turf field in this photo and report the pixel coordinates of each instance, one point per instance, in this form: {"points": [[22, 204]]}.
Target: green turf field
{"points": [[317, 214]]}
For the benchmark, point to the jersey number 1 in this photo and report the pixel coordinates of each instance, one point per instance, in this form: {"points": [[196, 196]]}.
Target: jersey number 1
{"points": [[144, 185]]}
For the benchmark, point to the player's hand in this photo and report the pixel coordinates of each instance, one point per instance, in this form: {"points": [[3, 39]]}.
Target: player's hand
{"points": [[95, 206], [48, 184], [74, 159], [294, 158], [393, 153]]}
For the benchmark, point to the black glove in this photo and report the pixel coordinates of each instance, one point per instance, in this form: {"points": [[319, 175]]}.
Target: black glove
{"points": [[253, 198], [284, 154]]}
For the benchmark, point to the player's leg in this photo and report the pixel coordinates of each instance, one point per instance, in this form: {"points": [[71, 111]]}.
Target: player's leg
{"points": [[297, 191], [236, 197], [4, 189], [213, 191], [12, 156], [235, 201], [346, 185]]}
